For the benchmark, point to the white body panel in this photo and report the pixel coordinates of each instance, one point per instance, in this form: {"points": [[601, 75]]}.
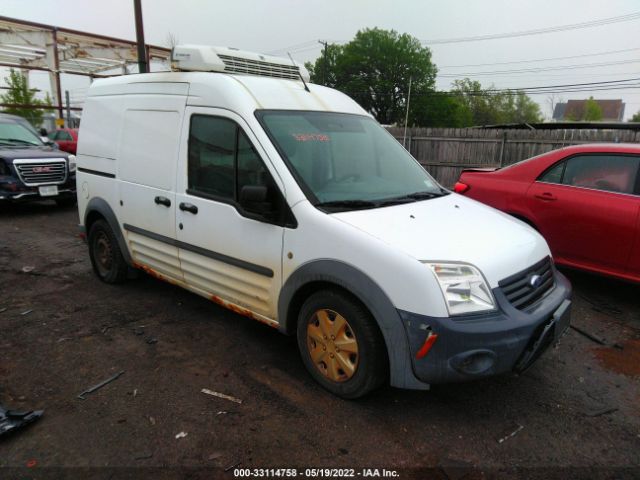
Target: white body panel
{"points": [[454, 228], [386, 244]]}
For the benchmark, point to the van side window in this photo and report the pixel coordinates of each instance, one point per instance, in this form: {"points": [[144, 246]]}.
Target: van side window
{"points": [[212, 145], [251, 171], [221, 161]]}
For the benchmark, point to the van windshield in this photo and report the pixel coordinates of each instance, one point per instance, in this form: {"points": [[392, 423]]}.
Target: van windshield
{"points": [[345, 162]]}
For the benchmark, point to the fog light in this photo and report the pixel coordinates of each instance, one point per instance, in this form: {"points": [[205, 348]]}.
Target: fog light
{"points": [[474, 362]]}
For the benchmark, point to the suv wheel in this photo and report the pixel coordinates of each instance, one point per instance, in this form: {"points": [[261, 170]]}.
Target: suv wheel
{"points": [[106, 257], [341, 345]]}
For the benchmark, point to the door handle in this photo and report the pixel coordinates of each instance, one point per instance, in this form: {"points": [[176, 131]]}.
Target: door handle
{"points": [[188, 207], [549, 197], [162, 201]]}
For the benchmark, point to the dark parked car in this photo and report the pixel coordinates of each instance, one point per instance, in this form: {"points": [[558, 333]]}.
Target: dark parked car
{"points": [[585, 200], [29, 169], [66, 138]]}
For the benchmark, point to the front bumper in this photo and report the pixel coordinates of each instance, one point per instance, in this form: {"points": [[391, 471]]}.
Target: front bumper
{"points": [[16, 191], [484, 345]]}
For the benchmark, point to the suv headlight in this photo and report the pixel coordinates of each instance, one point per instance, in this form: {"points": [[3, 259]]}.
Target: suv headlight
{"points": [[72, 163], [464, 288]]}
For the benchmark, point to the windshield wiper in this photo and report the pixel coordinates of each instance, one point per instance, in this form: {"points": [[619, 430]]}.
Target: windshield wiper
{"points": [[426, 195], [415, 196], [348, 204]]}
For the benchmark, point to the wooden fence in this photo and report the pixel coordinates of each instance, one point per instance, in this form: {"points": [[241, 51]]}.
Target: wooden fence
{"points": [[445, 152]]}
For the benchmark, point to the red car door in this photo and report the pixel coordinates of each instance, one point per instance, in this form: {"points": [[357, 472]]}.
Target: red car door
{"points": [[584, 206], [65, 141]]}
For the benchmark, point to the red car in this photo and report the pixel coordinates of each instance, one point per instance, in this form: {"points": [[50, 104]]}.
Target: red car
{"points": [[585, 200], [66, 138]]}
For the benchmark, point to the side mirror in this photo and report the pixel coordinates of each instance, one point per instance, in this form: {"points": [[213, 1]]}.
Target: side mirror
{"points": [[253, 199], [43, 132]]}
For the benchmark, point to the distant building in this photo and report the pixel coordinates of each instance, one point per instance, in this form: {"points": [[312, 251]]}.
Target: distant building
{"points": [[612, 110]]}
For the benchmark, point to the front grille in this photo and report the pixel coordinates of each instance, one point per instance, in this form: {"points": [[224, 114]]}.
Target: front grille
{"points": [[44, 172], [263, 69], [528, 286]]}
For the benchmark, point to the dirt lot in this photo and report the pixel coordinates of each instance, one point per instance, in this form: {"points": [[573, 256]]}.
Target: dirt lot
{"points": [[576, 413]]}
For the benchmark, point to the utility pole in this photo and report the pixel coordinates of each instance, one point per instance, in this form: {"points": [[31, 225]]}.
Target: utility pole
{"points": [[142, 51], [324, 66], [66, 97], [406, 117]]}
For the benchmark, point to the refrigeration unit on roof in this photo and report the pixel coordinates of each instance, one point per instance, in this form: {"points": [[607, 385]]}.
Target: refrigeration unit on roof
{"points": [[201, 58]]}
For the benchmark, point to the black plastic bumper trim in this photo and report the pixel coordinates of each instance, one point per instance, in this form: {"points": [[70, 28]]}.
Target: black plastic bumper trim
{"points": [[96, 172], [236, 262]]}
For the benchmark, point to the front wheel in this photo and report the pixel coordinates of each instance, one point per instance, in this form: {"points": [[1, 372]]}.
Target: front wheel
{"points": [[104, 251], [341, 345]]}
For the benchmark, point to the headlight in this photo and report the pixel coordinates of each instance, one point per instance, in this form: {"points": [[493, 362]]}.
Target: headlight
{"points": [[72, 163], [464, 288]]}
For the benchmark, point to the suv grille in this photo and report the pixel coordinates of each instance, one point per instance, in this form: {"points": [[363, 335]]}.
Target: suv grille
{"points": [[527, 287], [44, 172], [255, 67]]}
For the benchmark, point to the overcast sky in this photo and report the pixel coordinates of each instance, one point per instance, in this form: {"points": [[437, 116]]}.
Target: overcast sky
{"points": [[275, 26]]}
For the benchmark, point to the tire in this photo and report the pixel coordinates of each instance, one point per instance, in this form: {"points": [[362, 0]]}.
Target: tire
{"points": [[351, 363], [65, 202], [106, 258]]}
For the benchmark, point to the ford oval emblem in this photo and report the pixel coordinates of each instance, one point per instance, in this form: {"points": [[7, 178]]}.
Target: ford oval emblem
{"points": [[535, 281]]}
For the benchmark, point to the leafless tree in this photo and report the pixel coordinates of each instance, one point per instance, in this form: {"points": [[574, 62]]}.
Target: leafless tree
{"points": [[553, 100], [171, 40]]}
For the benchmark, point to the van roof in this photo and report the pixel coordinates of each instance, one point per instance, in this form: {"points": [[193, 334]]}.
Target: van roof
{"points": [[239, 93]]}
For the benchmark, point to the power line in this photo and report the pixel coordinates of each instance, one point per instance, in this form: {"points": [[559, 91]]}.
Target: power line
{"points": [[537, 69], [290, 47], [537, 31], [601, 83], [542, 59], [508, 92], [563, 88]]}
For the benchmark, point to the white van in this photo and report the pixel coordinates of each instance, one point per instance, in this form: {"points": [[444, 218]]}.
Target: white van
{"points": [[289, 204]]}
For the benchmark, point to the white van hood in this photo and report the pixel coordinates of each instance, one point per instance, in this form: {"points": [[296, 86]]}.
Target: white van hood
{"points": [[454, 228]]}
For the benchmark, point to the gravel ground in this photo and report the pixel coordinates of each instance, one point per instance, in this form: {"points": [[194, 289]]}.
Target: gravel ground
{"points": [[575, 414]]}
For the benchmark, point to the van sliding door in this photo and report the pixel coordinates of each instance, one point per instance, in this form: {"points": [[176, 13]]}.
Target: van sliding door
{"points": [[149, 145]]}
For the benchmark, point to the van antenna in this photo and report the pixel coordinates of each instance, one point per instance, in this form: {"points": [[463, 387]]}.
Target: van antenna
{"points": [[299, 74]]}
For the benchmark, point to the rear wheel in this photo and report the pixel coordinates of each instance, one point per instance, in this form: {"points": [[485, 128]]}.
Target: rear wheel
{"points": [[106, 257], [341, 344]]}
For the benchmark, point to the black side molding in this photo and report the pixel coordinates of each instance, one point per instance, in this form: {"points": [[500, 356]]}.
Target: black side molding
{"points": [[236, 262], [96, 172]]}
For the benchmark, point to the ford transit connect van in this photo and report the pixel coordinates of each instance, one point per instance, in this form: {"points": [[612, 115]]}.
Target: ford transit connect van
{"points": [[288, 203]]}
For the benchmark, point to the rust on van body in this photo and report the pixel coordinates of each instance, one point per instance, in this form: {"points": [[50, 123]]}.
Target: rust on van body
{"points": [[214, 298], [151, 272], [240, 311]]}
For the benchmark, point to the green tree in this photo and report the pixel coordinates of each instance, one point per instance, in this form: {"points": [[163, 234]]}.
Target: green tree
{"points": [[19, 93], [323, 70], [439, 109], [592, 111], [489, 106], [636, 117], [375, 68]]}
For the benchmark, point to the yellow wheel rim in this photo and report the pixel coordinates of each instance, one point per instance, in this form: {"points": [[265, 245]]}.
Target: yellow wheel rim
{"points": [[332, 345]]}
